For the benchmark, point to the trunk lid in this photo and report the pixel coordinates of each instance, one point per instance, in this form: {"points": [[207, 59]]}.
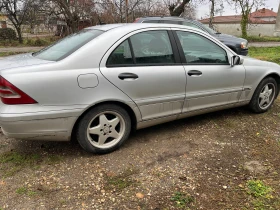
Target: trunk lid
{"points": [[21, 60]]}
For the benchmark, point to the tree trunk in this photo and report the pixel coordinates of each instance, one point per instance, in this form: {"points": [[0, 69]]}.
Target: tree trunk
{"points": [[20, 39], [244, 24], [277, 25], [212, 13]]}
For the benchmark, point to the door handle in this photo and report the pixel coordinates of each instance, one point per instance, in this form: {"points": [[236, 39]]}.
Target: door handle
{"points": [[124, 76], [195, 73]]}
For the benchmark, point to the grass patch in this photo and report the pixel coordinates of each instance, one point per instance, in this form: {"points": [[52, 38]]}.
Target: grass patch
{"points": [[122, 180], [271, 54], [4, 54], [263, 39], [25, 191], [261, 195], [13, 162], [53, 159], [182, 200], [258, 189], [21, 190]]}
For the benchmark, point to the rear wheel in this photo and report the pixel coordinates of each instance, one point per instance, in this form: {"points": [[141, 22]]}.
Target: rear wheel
{"points": [[264, 95], [103, 129]]}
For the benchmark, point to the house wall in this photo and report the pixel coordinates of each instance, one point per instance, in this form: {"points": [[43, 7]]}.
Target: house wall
{"points": [[253, 30], [267, 18]]}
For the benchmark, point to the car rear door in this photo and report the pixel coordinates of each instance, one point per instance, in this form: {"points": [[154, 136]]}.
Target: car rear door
{"points": [[211, 81], [146, 66]]}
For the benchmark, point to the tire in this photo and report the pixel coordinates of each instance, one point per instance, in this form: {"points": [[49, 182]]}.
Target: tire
{"points": [[103, 129], [264, 95]]}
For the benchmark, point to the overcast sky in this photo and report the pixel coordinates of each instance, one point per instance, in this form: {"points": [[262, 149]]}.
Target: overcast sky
{"points": [[203, 10]]}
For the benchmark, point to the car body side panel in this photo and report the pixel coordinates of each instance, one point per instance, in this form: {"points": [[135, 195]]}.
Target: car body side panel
{"points": [[218, 85]]}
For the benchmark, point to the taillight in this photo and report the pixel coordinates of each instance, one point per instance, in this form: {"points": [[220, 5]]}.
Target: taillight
{"points": [[11, 95]]}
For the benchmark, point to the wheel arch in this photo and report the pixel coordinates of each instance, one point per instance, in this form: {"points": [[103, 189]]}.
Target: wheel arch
{"points": [[277, 79], [118, 103]]}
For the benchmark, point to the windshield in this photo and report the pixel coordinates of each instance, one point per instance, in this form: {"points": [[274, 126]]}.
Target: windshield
{"points": [[67, 46]]}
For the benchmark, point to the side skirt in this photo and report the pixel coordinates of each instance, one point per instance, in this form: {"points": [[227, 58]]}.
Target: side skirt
{"points": [[152, 122]]}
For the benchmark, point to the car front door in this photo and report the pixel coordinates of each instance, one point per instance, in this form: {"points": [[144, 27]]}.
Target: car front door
{"points": [[211, 81], [146, 66]]}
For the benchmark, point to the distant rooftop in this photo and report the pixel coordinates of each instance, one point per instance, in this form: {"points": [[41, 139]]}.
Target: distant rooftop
{"points": [[255, 17]]}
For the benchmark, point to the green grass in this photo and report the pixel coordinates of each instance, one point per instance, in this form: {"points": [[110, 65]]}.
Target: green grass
{"points": [[25, 191], [271, 54], [122, 180], [21, 190], [258, 189], [261, 195], [13, 162], [5, 54], [263, 39], [181, 200]]}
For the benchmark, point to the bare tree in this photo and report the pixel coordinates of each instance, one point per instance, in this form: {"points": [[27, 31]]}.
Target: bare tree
{"points": [[189, 11], [176, 8], [151, 8], [16, 11], [72, 12], [246, 7], [118, 11]]}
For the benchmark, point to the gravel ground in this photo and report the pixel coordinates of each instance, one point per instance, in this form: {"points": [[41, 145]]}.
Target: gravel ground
{"points": [[203, 162]]}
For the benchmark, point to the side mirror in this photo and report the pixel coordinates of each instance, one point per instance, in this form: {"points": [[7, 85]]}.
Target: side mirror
{"points": [[234, 60]]}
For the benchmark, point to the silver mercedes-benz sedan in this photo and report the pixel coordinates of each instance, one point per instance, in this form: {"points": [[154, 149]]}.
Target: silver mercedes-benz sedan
{"points": [[102, 82]]}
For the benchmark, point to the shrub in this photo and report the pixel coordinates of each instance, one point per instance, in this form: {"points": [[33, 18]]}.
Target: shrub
{"points": [[7, 34], [29, 42], [40, 42]]}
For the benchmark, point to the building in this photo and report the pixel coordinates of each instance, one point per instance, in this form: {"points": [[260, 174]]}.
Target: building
{"points": [[3, 21], [262, 23]]}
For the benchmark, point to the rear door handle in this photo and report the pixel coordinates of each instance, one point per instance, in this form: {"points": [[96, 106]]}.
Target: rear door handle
{"points": [[195, 73], [131, 76]]}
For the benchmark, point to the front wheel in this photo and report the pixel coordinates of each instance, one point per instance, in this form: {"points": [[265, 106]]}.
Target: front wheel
{"points": [[103, 129], [264, 95]]}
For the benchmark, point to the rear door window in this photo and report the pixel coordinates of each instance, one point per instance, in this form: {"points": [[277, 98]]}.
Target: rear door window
{"points": [[152, 47], [121, 55]]}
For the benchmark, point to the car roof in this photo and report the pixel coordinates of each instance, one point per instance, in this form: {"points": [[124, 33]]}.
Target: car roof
{"points": [[105, 27], [166, 18], [135, 26]]}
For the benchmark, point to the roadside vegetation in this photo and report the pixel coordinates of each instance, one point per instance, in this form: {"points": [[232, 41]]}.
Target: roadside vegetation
{"points": [[271, 54], [30, 42], [263, 39]]}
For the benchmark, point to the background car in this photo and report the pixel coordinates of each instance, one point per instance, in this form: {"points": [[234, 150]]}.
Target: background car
{"points": [[100, 83], [238, 45]]}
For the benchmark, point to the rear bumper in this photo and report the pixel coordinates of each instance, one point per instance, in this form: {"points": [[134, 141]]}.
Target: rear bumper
{"points": [[53, 125], [58, 129]]}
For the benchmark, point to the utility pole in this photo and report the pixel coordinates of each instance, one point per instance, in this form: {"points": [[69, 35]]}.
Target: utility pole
{"points": [[277, 25], [126, 11]]}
